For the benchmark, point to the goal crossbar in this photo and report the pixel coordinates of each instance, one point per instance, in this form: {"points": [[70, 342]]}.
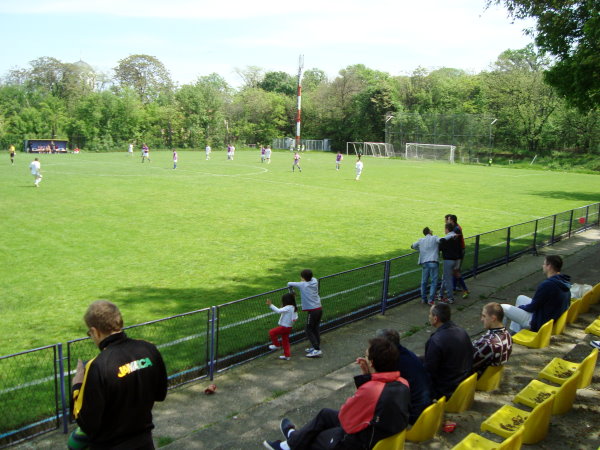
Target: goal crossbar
{"points": [[440, 152]]}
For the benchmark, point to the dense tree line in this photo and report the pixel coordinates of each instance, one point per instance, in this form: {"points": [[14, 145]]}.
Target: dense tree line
{"points": [[141, 103]]}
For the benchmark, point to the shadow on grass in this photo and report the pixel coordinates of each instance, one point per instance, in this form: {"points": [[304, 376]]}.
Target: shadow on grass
{"points": [[588, 197], [159, 302]]}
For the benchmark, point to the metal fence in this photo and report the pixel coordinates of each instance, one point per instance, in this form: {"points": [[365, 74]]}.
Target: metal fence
{"points": [[34, 385]]}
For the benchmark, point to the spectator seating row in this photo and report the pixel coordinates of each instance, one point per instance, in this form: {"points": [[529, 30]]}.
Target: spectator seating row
{"points": [[515, 425], [518, 426]]}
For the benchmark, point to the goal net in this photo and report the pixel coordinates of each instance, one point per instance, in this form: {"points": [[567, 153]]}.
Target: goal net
{"points": [[379, 149], [430, 151]]}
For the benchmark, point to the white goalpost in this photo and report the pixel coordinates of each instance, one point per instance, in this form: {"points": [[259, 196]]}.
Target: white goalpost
{"points": [[430, 151], [379, 149]]}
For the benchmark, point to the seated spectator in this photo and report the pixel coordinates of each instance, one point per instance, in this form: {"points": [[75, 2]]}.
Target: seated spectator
{"points": [[448, 352], [552, 298], [377, 410], [495, 346], [411, 368]]}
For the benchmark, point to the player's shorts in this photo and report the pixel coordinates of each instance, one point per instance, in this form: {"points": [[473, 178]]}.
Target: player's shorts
{"points": [[358, 172], [12, 155]]}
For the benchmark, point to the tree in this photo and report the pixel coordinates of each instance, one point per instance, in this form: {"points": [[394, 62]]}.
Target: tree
{"points": [[146, 75], [280, 82], [519, 97], [570, 31], [251, 76], [312, 79]]}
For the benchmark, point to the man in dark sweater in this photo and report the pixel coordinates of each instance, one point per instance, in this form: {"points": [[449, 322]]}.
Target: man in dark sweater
{"points": [[113, 394], [552, 298], [448, 352]]}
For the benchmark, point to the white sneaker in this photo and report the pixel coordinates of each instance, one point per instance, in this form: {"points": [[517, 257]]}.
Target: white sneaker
{"points": [[595, 344], [309, 349], [285, 358], [273, 347], [314, 354]]}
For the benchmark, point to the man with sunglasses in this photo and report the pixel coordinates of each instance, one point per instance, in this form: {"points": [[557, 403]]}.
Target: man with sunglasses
{"points": [[113, 394]]}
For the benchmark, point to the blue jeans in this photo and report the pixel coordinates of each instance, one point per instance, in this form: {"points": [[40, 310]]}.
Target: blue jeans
{"points": [[430, 273]]}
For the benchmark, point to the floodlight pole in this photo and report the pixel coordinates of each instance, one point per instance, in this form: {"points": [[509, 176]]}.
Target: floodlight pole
{"points": [[299, 115], [389, 116]]}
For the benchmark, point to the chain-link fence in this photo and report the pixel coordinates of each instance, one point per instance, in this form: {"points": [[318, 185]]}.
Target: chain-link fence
{"points": [[29, 394], [196, 344]]}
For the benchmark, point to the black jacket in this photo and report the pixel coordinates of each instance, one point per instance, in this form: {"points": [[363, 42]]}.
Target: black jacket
{"points": [[451, 248], [448, 358], [113, 405]]}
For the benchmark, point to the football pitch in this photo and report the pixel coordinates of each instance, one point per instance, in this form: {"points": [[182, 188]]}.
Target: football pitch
{"points": [[159, 241]]}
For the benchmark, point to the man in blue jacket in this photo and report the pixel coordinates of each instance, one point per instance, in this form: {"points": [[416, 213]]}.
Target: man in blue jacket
{"points": [[552, 298]]}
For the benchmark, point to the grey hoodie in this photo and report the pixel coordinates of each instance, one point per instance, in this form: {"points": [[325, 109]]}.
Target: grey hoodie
{"points": [[309, 293]]}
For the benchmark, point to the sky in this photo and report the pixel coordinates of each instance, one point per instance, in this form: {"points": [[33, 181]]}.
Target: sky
{"points": [[194, 38]]}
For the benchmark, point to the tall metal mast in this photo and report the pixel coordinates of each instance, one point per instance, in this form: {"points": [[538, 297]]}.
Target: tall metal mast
{"points": [[299, 115]]}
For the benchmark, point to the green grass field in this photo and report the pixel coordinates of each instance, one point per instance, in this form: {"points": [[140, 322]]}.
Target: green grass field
{"points": [[159, 241]]}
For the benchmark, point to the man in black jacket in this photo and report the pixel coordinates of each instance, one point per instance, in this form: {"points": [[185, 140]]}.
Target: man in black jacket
{"points": [[452, 253], [448, 352], [114, 393]]}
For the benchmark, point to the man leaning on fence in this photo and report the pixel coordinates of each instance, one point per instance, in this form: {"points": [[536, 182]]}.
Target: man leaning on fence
{"points": [[114, 393], [428, 248]]}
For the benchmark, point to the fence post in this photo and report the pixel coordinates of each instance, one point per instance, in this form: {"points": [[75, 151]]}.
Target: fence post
{"points": [[507, 245], [587, 213], [535, 238], [63, 397], [476, 256], [553, 229], [212, 343], [386, 284], [571, 222]]}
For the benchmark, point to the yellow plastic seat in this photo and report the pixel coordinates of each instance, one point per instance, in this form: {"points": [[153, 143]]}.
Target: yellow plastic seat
{"points": [[560, 323], [463, 396], [594, 328], [534, 339], [559, 370], [476, 442], [586, 301], [536, 392], [508, 419], [573, 312], [395, 442], [490, 378], [428, 423], [595, 294]]}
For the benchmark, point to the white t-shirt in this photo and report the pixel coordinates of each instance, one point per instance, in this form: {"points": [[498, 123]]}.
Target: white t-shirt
{"points": [[35, 167], [359, 166], [207, 149], [268, 153], [288, 315]]}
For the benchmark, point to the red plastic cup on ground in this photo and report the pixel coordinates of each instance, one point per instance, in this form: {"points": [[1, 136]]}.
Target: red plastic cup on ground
{"points": [[449, 427], [210, 389]]}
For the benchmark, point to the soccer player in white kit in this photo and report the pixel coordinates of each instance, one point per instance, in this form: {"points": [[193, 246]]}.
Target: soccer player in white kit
{"points": [[268, 154], [359, 168], [207, 150], [36, 171]]}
